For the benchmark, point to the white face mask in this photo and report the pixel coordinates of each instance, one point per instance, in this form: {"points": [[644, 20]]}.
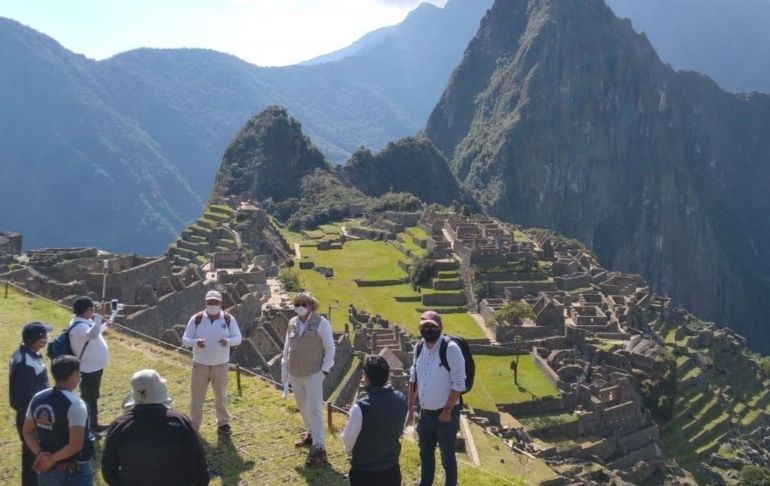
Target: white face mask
{"points": [[301, 311], [213, 309]]}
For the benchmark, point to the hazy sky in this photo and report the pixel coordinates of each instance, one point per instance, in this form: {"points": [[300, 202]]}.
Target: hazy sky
{"points": [[264, 32]]}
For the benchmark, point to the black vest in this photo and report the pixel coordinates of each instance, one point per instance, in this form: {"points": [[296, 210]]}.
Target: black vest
{"points": [[49, 411], [378, 445]]}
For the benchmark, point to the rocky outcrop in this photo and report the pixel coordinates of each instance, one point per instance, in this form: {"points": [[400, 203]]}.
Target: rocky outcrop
{"points": [[561, 116]]}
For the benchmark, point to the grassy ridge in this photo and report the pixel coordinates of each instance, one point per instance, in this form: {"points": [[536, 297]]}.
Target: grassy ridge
{"points": [[264, 425]]}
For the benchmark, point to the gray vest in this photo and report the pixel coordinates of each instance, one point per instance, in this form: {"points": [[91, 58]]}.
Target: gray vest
{"points": [[306, 352]]}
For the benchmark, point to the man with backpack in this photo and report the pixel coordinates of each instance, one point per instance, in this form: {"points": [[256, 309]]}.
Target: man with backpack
{"points": [[87, 342], [437, 379], [211, 333]]}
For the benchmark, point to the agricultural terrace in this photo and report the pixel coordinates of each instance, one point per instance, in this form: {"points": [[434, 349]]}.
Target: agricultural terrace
{"points": [[494, 382], [370, 260], [261, 450]]}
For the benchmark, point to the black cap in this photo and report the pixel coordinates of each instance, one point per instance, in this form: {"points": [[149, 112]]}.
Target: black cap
{"points": [[81, 305], [34, 331]]}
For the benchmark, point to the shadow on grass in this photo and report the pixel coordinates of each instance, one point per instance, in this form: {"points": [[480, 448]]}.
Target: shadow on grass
{"points": [[226, 462], [322, 476]]}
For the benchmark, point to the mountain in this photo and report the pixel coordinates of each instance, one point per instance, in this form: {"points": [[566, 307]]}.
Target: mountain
{"points": [[412, 165], [135, 140], [268, 158], [725, 39], [561, 116]]}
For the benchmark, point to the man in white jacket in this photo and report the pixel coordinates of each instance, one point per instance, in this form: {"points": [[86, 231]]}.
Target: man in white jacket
{"points": [[88, 344], [211, 334], [308, 356]]}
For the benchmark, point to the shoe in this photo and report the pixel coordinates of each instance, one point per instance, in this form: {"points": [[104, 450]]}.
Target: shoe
{"points": [[316, 457], [225, 430], [306, 441]]}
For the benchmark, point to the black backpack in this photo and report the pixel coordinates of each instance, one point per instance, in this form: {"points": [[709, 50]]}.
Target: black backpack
{"points": [[61, 345], [470, 366]]}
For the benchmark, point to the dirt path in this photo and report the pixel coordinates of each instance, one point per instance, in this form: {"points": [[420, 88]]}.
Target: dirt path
{"points": [[297, 252], [480, 322]]}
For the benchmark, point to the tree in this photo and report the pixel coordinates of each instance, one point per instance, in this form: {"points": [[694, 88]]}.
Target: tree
{"points": [[755, 476], [517, 340], [514, 313], [421, 272]]}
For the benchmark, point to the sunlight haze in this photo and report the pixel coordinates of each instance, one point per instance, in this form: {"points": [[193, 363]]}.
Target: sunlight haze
{"points": [[262, 32]]}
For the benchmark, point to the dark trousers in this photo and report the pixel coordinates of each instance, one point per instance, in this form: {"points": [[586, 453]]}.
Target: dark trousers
{"points": [[389, 477], [432, 431], [89, 392], [28, 476]]}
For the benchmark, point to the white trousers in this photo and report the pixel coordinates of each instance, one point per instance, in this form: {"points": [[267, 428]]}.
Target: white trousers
{"points": [[309, 393]]}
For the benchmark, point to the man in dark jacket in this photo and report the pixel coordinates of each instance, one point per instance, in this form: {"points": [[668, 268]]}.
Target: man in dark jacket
{"points": [[27, 376], [151, 444], [374, 428]]}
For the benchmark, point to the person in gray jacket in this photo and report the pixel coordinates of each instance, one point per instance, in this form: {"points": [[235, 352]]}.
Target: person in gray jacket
{"points": [[308, 356]]}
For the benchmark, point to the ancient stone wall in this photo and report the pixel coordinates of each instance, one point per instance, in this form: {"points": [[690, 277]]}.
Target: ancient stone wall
{"points": [[175, 308], [127, 284], [10, 243]]}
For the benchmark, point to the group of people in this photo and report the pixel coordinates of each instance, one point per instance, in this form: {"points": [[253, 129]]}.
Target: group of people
{"points": [[152, 444]]}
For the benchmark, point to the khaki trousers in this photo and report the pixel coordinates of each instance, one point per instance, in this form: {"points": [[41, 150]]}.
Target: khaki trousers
{"points": [[202, 375], [309, 394]]}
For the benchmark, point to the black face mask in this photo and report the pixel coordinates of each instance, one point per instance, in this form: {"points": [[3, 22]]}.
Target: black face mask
{"points": [[430, 334]]}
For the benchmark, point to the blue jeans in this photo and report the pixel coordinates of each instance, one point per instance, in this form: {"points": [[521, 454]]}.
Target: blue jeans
{"points": [[84, 477], [431, 431]]}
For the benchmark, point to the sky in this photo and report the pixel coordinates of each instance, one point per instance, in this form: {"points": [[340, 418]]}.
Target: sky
{"points": [[262, 32]]}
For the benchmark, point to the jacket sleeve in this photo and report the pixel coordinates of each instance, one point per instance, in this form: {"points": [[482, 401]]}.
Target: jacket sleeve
{"points": [[110, 463], [194, 450], [188, 339], [235, 333], [21, 391]]}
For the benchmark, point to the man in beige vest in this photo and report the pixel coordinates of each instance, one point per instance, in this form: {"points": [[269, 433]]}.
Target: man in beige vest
{"points": [[308, 355]]}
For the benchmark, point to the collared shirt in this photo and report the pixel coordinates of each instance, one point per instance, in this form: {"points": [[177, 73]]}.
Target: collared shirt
{"points": [[434, 382], [212, 331], [96, 354], [327, 338]]}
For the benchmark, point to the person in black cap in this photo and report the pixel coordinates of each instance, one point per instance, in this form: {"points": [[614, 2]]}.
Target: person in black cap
{"points": [[88, 345], [27, 376]]}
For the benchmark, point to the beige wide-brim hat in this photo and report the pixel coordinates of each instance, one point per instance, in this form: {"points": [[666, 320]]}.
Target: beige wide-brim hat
{"points": [[147, 388], [306, 297]]}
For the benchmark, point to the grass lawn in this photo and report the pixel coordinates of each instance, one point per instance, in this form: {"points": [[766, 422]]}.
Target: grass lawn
{"points": [[542, 421], [264, 425], [494, 382], [371, 260], [497, 458]]}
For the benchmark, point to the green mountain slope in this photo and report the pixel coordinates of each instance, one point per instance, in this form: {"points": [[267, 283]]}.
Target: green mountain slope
{"points": [[561, 116]]}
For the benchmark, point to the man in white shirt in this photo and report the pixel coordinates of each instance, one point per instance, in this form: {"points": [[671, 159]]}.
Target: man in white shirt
{"points": [[438, 386], [373, 432], [211, 334], [88, 344], [308, 356]]}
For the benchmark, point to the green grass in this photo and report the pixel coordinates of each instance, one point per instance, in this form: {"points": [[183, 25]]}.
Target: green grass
{"points": [[542, 421], [417, 232], [494, 382], [372, 260], [264, 425]]}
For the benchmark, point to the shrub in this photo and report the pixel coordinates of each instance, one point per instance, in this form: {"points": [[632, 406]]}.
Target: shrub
{"points": [[290, 279], [755, 476]]}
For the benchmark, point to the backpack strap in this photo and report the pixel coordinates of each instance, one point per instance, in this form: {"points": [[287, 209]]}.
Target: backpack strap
{"points": [[199, 318], [417, 352], [70, 328], [442, 351]]}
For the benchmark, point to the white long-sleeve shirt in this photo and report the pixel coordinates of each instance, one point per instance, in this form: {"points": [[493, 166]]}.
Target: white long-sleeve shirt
{"points": [[212, 331], [327, 338], [434, 382], [352, 428], [96, 354]]}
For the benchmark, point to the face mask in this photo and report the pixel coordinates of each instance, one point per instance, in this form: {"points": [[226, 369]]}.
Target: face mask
{"points": [[213, 309], [430, 334], [301, 311]]}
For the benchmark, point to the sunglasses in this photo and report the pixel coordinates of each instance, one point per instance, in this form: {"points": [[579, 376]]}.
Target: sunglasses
{"points": [[301, 304]]}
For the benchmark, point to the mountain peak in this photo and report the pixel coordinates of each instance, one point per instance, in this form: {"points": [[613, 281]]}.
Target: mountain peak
{"points": [[268, 158]]}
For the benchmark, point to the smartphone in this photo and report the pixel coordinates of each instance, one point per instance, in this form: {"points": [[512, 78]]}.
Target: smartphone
{"points": [[114, 305]]}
